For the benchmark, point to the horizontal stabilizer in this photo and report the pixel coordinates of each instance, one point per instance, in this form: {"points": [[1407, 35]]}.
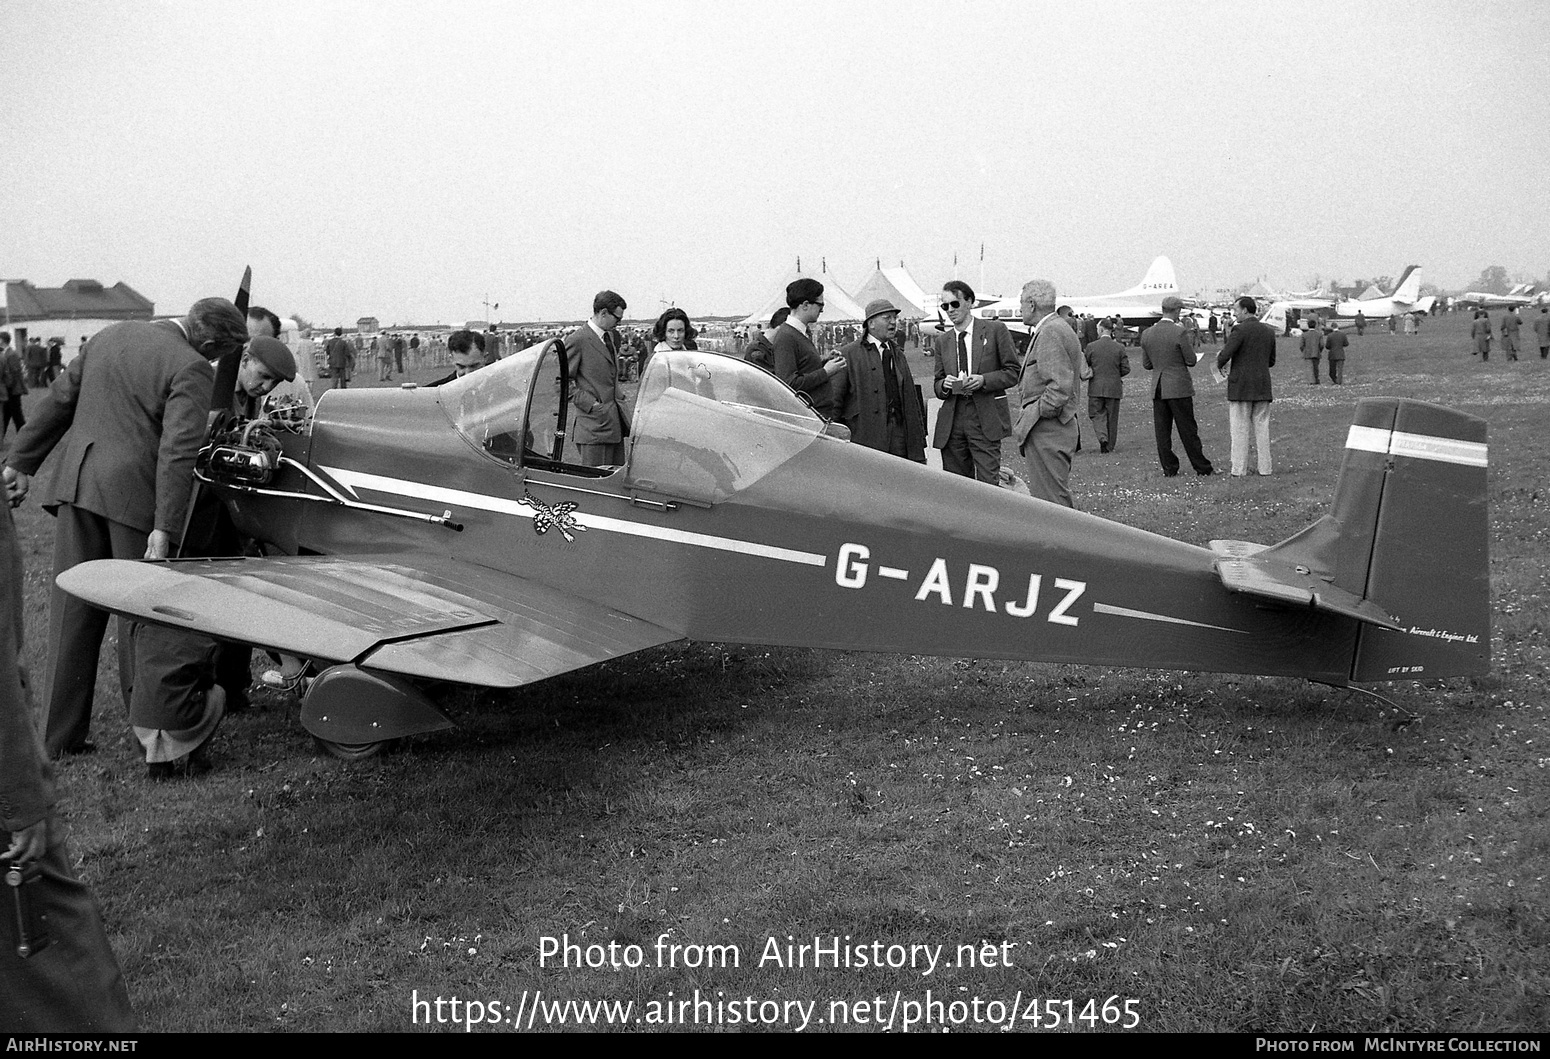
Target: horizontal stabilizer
{"points": [[1243, 569]]}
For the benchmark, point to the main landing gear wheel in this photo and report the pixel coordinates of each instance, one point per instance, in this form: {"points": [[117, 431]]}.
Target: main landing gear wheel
{"points": [[354, 751]]}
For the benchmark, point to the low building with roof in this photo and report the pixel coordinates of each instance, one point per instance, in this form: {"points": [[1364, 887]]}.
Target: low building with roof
{"points": [[79, 309]]}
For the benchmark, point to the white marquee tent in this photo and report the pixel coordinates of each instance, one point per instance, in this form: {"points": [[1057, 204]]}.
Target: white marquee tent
{"points": [[837, 304]]}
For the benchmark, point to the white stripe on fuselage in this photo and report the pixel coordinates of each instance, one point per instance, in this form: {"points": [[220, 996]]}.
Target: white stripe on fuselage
{"points": [[440, 495], [1419, 446], [1126, 612]]}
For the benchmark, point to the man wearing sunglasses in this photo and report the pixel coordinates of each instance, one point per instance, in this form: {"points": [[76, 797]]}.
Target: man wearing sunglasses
{"points": [[795, 358], [976, 363], [602, 421]]}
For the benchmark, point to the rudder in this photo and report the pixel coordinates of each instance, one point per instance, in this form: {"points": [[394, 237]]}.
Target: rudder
{"points": [[1427, 562]]}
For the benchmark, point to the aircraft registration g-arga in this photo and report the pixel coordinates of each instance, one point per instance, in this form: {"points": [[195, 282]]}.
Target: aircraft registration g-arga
{"points": [[450, 534]]}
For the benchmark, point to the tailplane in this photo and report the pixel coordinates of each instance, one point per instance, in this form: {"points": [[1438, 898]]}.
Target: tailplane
{"points": [[1403, 549]]}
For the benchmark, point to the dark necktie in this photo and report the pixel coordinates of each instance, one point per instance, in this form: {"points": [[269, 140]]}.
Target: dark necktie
{"points": [[608, 340], [963, 353], [891, 384]]}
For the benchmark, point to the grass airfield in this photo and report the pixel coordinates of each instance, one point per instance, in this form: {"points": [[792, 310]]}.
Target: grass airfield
{"points": [[1230, 853]]}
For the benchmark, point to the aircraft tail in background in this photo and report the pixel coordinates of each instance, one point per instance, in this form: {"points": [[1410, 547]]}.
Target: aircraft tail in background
{"points": [[1159, 280]]}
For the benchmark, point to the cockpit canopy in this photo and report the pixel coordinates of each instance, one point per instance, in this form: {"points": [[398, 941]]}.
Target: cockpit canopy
{"points": [[703, 426]]}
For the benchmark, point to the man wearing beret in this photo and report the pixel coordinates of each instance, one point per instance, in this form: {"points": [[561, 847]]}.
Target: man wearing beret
{"points": [[875, 396], [127, 419], [292, 390], [265, 364]]}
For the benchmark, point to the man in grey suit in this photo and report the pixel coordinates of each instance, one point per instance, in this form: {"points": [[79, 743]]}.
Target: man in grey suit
{"points": [[1049, 396], [1250, 353], [976, 364], [602, 421], [127, 417], [1167, 353]]}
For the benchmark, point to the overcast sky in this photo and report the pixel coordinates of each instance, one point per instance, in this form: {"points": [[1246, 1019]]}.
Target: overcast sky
{"points": [[409, 160]]}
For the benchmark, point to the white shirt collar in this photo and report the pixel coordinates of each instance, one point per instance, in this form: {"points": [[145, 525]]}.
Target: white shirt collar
{"points": [[793, 321]]}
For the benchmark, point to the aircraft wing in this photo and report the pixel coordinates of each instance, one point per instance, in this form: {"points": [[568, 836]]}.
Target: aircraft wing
{"points": [[436, 620]]}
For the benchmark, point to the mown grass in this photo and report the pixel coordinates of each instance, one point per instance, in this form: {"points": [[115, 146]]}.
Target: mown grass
{"points": [[1235, 853]]}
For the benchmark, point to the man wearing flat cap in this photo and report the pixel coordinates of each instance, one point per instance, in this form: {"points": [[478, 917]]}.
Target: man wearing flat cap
{"points": [[293, 390], [265, 364], [1167, 352], [1049, 390], [875, 396]]}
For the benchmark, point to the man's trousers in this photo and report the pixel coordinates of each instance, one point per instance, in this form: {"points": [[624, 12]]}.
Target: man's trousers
{"points": [[1244, 418], [1178, 411]]}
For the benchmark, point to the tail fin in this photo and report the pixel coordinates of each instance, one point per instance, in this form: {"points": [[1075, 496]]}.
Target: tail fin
{"points": [[1159, 279], [1408, 533], [1409, 288]]}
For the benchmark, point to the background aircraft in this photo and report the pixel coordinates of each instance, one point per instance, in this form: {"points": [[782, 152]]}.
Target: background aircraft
{"points": [[1139, 306], [1520, 295], [450, 534], [1405, 299]]}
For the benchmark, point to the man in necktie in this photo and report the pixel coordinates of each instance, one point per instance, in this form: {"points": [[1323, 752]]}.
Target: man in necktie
{"points": [[976, 363], [602, 421], [875, 395]]}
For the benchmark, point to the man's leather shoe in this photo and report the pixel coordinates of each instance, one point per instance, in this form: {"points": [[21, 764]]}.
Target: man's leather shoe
{"points": [[194, 763], [85, 746]]}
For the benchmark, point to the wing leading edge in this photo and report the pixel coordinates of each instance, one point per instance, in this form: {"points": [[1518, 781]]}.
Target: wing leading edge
{"points": [[448, 621]]}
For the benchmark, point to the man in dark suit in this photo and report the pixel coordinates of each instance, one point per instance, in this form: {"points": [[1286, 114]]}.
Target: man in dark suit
{"points": [[976, 363], [341, 358], [1335, 342], [875, 396], [1049, 396], [1110, 364], [602, 421], [1167, 353], [1312, 347], [127, 418], [1511, 325], [795, 359], [1250, 353]]}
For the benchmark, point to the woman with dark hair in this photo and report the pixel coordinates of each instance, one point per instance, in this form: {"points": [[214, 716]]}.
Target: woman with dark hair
{"points": [[673, 331]]}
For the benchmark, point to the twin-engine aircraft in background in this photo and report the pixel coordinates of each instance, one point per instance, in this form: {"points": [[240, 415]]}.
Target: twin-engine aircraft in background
{"points": [[451, 534], [1520, 296], [1405, 299]]}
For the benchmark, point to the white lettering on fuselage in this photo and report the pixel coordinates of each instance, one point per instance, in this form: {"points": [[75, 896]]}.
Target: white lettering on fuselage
{"points": [[980, 585]]}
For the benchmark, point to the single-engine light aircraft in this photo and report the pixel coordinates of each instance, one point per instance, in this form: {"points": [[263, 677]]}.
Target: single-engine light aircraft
{"points": [[451, 534]]}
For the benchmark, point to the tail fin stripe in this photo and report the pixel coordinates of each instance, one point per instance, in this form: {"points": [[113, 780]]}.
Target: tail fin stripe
{"points": [[1417, 446]]}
